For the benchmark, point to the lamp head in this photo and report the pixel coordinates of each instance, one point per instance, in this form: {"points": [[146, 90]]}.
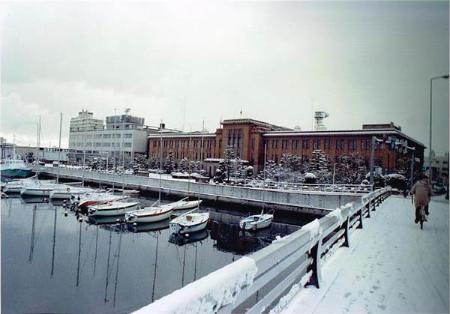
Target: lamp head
{"points": [[445, 76]]}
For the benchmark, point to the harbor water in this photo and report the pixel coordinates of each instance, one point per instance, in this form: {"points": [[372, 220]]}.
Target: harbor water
{"points": [[55, 263]]}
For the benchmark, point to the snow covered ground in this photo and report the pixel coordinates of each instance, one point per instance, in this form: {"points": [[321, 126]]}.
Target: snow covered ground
{"points": [[391, 266]]}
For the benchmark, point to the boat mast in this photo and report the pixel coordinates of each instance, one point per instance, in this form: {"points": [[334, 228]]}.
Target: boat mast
{"points": [[79, 255], [160, 159], [107, 267], [117, 268], [59, 146], [264, 173], [201, 151], [154, 270], [30, 257], [54, 242]]}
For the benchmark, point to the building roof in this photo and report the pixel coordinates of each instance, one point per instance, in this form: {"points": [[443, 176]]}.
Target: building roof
{"points": [[256, 122], [389, 131], [182, 134]]}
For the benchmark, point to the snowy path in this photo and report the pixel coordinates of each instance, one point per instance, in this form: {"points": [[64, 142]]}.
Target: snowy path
{"points": [[391, 266]]}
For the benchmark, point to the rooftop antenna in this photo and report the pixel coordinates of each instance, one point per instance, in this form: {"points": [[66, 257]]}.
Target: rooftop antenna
{"points": [[318, 117], [127, 110], [241, 113]]}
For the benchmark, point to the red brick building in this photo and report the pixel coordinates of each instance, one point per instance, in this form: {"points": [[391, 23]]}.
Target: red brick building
{"points": [[250, 138]]}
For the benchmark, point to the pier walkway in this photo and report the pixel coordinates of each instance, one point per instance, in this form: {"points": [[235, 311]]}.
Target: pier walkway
{"points": [[391, 266]]}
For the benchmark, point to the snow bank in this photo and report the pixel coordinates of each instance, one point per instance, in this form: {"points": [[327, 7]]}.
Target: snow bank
{"points": [[313, 227], [209, 293]]}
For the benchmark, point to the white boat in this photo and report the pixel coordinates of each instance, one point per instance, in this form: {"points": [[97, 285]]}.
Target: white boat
{"points": [[13, 187], [98, 198], [67, 192], [112, 208], [256, 222], [185, 204], [149, 214], [37, 189], [189, 222]]}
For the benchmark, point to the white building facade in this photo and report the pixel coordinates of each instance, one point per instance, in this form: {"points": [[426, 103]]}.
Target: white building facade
{"points": [[122, 137]]}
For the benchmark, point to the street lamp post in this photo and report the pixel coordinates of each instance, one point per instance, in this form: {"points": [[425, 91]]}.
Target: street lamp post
{"points": [[431, 117]]}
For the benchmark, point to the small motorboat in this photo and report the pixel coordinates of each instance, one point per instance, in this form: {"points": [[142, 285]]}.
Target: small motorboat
{"points": [[112, 208], [185, 204], [189, 222], [37, 189], [149, 214], [256, 222]]}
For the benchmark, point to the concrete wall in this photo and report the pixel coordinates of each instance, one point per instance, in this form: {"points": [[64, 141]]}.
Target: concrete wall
{"points": [[242, 195]]}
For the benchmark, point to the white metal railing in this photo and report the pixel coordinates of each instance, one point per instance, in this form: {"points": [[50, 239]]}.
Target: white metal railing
{"points": [[287, 261]]}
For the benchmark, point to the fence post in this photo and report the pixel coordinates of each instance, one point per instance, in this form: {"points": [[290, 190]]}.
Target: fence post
{"points": [[346, 225], [368, 208], [361, 217], [316, 276]]}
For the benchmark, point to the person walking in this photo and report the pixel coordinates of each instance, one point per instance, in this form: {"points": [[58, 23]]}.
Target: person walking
{"points": [[421, 191]]}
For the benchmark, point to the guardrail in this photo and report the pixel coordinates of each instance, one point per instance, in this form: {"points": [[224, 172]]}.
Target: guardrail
{"points": [[311, 199], [255, 284]]}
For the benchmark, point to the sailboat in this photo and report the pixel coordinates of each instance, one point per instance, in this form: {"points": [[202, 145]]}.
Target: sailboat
{"points": [[256, 222], [154, 212], [185, 203], [262, 220], [189, 222]]}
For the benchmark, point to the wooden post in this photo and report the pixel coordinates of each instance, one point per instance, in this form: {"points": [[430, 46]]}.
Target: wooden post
{"points": [[346, 225], [368, 209], [361, 218], [316, 276]]}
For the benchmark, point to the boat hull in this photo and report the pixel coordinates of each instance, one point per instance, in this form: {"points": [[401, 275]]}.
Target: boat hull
{"points": [[186, 205], [147, 219], [16, 173], [12, 189], [252, 225], [153, 216], [178, 228], [35, 191], [112, 212]]}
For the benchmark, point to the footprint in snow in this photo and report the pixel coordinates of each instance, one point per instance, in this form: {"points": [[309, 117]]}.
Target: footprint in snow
{"points": [[382, 307], [347, 294]]}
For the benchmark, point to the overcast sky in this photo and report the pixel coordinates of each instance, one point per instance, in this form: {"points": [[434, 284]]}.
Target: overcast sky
{"points": [[362, 62]]}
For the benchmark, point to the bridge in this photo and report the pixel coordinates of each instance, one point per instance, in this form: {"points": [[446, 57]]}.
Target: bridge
{"points": [[366, 256]]}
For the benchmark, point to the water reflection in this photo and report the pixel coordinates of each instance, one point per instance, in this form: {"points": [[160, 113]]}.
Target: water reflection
{"points": [[141, 263], [54, 243]]}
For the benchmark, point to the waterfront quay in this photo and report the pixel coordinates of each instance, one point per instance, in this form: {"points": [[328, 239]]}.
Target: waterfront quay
{"points": [[314, 203]]}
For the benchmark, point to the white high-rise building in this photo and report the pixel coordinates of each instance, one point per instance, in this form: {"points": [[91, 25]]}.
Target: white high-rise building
{"points": [[122, 138], [85, 122]]}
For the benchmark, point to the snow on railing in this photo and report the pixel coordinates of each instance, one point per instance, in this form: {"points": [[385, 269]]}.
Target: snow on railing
{"points": [[259, 282], [210, 293]]}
